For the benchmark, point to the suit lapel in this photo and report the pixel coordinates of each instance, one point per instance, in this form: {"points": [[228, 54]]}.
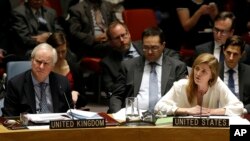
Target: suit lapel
{"points": [[54, 92], [240, 72], [87, 6], [138, 72], [166, 67], [47, 18], [31, 19], [29, 91], [221, 71], [211, 48]]}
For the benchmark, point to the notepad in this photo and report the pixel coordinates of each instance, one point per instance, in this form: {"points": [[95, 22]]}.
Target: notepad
{"points": [[164, 121]]}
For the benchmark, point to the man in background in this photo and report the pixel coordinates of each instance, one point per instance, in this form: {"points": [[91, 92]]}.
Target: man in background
{"points": [[31, 24], [134, 79], [235, 73]]}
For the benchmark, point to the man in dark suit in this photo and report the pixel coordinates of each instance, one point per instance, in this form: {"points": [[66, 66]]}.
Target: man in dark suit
{"points": [[87, 26], [25, 92], [238, 82], [31, 24], [133, 79], [224, 25], [122, 49]]}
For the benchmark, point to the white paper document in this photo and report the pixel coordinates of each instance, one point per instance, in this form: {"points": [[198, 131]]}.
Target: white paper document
{"points": [[45, 118], [79, 114], [71, 114]]}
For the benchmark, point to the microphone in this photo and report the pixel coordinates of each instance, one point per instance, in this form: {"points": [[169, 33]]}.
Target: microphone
{"points": [[67, 101], [201, 100]]}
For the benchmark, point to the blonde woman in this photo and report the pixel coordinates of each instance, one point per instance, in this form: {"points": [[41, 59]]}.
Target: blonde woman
{"points": [[202, 93]]}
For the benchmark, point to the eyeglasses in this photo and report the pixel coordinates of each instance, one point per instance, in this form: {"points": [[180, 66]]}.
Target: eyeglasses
{"points": [[38, 62], [222, 32], [123, 36], [152, 48]]}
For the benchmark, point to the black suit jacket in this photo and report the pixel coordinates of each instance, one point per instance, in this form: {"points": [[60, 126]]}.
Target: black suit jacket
{"points": [[81, 27], [112, 63], [20, 95], [79, 84], [25, 24], [130, 77], [208, 47], [244, 84]]}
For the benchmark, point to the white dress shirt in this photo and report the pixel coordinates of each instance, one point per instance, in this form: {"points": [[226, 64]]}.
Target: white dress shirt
{"points": [[143, 95]]}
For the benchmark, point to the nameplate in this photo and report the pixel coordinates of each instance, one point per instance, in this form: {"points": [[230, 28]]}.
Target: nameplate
{"points": [[83, 123], [201, 122]]}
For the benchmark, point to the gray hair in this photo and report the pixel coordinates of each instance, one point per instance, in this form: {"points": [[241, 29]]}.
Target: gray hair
{"points": [[47, 47]]}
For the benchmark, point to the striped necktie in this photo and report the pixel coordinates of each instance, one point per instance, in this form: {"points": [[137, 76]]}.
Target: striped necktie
{"points": [[43, 100]]}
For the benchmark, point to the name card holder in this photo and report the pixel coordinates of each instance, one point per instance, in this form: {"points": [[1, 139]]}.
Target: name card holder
{"points": [[83, 123], [201, 122]]}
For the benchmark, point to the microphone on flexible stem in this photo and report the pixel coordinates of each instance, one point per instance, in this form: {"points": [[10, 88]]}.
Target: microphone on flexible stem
{"points": [[67, 101], [201, 104], [201, 98]]}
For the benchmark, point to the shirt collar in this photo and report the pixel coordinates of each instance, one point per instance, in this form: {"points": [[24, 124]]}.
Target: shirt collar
{"points": [[158, 62], [35, 82], [226, 68]]}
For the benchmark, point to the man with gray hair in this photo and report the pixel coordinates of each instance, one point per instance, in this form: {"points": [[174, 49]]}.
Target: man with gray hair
{"points": [[38, 90]]}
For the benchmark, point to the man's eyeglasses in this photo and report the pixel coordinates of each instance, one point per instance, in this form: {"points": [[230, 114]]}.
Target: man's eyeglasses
{"points": [[123, 36], [38, 62], [152, 48], [222, 32]]}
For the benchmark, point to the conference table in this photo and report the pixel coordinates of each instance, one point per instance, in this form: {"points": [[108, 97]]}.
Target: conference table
{"points": [[119, 133]]}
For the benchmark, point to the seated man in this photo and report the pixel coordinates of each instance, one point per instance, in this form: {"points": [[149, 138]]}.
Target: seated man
{"points": [[235, 73], [123, 48], [224, 26], [31, 24], [38, 90], [88, 23], [136, 74]]}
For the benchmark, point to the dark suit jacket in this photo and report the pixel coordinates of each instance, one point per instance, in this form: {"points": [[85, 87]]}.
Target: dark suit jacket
{"points": [[81, 27], [208, 47], [244, 84], [25, 24], [130, 77], [79, 84], [112, 63], [20, 95]]}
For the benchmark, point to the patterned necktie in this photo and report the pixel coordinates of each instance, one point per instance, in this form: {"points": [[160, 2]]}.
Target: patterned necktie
{"points": [[99, 19], [231, 80], [43, 101], [153, 87]]}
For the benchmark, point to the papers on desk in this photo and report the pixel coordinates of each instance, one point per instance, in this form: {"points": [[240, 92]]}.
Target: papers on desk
{"points": [[71, 114], [78, 114], [46, 118]]}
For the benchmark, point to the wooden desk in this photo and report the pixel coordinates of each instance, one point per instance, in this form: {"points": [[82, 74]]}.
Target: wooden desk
{"points": [[141, 133]]}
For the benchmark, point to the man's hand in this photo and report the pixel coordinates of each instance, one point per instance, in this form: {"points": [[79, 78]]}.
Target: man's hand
{"points": [[42, 38]]}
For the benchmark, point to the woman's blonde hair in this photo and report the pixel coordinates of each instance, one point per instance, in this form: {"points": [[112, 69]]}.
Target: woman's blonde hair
{"points": [[213, 64]]}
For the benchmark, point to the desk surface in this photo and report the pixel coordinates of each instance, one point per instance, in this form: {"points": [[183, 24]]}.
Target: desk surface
{"points": [[141, 133]]}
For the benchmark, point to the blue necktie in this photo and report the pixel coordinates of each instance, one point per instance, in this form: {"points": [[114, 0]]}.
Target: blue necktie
{"points": [[43, 101], [231, 80], [153, 87]]}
